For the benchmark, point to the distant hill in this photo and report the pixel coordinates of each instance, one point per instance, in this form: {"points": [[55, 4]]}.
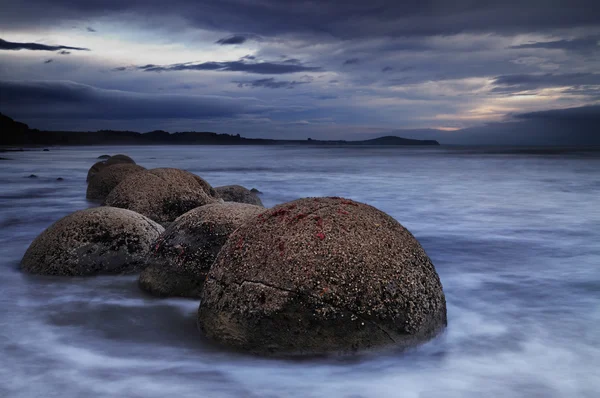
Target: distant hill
{"points": [[19, 134]]}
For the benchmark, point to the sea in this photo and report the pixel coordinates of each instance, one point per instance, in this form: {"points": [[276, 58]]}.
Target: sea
{"points": [[514, 234]]}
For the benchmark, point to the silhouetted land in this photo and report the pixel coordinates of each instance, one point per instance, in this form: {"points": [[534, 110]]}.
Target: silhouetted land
{"points": [[19, 134]]}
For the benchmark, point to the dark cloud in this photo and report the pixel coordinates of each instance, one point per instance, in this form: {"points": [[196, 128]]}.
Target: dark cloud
{"points": [[90, 29], [269, 83], [263, 68], [7, 45], [589, 113], [526, 82], [48, 61], [68, 100], [352, 61], [351, 18], [585, 44], [235, 39], [120, 69], [63, 52], [387, 69]]}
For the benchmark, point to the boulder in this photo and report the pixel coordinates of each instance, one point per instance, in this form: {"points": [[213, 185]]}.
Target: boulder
{"points": [[183, 254], [95, 169], [320, 276], [104, 157], [119, 159], [161, 194], [100, 240], [108, 178], [239, 194]]}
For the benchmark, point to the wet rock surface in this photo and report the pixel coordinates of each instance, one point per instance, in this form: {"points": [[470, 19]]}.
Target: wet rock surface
{"points": [[321, 275], [101, 240], [162, 194], [239, 194], [108, 178], [183, 254]]}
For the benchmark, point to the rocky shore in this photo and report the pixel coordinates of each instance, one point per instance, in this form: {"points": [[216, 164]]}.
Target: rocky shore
{"points": [[313, 276]]}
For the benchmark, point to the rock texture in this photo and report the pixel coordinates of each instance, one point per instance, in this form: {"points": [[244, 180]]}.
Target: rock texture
{"points": [[186, 250], [162, 194], [95, 169], [321, 275], [116, 159], [108, 178], [239, 194], [100, 240]]}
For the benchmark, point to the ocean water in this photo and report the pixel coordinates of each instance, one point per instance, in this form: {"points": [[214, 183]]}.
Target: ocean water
{"points": [[514, 235]]}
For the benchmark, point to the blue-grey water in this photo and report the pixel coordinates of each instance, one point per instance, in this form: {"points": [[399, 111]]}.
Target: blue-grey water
{"points": [[515, 237]]}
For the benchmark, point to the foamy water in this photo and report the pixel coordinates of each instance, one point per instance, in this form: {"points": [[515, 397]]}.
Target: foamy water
{"points": [[515, 238]]}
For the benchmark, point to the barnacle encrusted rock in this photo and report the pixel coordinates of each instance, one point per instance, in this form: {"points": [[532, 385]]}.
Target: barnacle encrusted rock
{"points": [[321, 275], [108, 178], [100, 240], [183, 254], [239, 194], [162, 194]]}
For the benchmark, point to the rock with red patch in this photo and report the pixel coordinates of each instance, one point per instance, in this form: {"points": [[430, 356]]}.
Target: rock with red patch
{"points": [[324, 275], [183, 254]]}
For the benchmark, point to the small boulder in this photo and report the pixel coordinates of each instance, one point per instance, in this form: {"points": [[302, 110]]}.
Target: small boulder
{"points": [[95, 169], [60, 179], [321, 276], [46, 150], [108, 178], [119, 159], [239, 194], [161, 194], [32, 176], [183, 254], [256, 191], [100, 240]]}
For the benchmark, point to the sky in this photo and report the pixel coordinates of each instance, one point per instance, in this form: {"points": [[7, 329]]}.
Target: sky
{"points": [[462, 71]]}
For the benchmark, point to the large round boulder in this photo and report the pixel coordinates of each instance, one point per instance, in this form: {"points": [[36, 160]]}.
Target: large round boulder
{"points": [[117, 159], [108, 178], [95, 169], [239, 194], [100, 240], [321, 275], [162, 194], [184, 253]]}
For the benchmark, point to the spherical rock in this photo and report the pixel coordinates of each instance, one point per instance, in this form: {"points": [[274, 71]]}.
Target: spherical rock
{"points": [[95, 169], [321, 275], [161, 194], [184, 253], [100, 240], [108, 178], [119, 159], [239, 194]]}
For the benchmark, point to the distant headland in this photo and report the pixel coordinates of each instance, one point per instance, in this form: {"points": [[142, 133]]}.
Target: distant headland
{"points": [[19, 134]]}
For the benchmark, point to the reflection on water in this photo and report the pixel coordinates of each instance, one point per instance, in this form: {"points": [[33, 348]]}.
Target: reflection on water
{"points": [[514, 236]]}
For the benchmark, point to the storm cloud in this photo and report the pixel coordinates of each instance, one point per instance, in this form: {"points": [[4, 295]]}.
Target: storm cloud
{"points": [[269, 83], [65, 99], [7, 45], [264, 68]]}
